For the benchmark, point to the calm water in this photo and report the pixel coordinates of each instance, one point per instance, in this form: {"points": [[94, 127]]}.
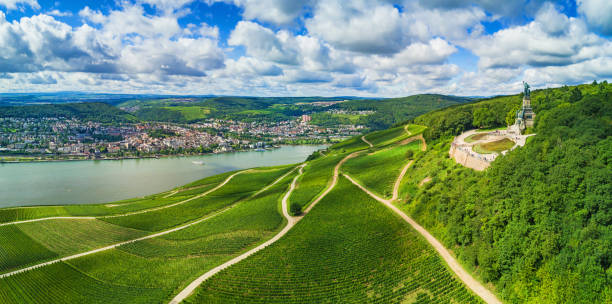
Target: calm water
{"points": [[78, 182]]}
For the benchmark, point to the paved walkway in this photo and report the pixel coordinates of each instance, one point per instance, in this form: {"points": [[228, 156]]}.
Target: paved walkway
{"points": [[463, 275]]}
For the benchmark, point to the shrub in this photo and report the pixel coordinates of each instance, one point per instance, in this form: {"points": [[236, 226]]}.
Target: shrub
{"points": [[295, 209]]}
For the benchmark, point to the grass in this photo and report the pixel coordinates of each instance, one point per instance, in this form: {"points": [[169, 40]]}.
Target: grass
{"points": [[494, 146], [475, 137], [378, 171], [349, 249]]}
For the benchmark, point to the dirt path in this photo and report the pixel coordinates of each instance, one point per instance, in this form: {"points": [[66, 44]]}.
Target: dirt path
{"points": [[398, 181], [50, 218], [181, 202], [463, 275], [170, 194], [8, 274], [291, 221], [366, 141], [333, 182], [406, 129]]}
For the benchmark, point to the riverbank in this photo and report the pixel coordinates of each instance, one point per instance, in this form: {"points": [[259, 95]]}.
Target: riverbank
{"points": [[42, 159]]}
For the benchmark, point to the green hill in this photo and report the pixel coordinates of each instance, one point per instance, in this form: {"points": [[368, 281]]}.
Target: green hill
{"points": [[537, 223], [535, 227]]}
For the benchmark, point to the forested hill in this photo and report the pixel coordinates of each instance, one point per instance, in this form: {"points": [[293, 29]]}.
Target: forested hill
{"points": [[90, 111], [537, 223], [392, 111]]}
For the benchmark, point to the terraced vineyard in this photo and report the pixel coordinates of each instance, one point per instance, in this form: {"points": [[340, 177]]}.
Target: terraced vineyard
{"points": [[350, 249]]}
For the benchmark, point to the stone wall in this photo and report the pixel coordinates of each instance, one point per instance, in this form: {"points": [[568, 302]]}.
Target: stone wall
{"points": [[465, 159]]}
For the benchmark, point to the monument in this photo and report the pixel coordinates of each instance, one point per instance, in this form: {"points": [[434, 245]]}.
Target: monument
{"points": [[525, 116]]}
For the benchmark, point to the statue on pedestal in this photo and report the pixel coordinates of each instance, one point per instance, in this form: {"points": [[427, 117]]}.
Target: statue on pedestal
{"points": [[527, 91]]}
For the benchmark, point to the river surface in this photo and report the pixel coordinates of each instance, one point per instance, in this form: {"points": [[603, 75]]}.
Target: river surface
{"points": [[88, 182]]}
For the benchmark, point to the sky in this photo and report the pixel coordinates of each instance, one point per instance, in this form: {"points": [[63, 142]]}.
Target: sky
{"points": [[383, 48]]}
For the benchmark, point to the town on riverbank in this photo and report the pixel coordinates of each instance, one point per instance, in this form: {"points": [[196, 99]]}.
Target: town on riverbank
{"points": [[60, 139]]}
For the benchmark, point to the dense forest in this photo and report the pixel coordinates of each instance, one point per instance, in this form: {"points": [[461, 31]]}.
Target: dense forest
{"points": [[90, 111], [395, 110], [537, 223]]}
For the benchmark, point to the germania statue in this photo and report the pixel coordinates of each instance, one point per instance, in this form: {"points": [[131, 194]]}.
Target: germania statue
{"points": [[527, 91]]}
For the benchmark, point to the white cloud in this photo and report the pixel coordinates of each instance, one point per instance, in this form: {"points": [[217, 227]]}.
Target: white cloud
{"points": [[436, 51], [361, 26], [14, 4], [550, 40], [598, 14], [279, 12], [263, 43]]}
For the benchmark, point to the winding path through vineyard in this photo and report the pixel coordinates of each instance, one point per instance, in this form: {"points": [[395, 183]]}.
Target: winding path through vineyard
{"points": [[366, 141], [291, 221], [463, 275]]}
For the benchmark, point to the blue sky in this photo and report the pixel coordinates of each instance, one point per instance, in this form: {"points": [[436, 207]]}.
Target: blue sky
{"points": [[302, 47]]}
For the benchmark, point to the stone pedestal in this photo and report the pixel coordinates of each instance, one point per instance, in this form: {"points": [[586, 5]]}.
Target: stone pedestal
{"points": [[528, 114]]}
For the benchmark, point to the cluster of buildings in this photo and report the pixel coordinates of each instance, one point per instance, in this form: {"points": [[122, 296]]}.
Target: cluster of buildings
{"points": [[70, 138]]}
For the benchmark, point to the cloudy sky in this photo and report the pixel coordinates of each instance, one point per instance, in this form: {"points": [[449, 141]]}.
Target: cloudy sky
{"points": [[302, 47]]}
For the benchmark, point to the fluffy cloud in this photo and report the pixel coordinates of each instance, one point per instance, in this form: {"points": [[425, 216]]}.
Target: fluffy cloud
{"points": [[436, 51], [14, 4], [263, 43], [359, 26], [124, 41], [598, 14], [550, 40]]}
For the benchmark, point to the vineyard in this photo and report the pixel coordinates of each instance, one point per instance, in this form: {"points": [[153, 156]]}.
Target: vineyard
{"points": [[383, 167], [350, 248]]}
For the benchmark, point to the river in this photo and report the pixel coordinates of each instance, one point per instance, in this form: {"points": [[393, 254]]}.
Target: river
{"points": [[88, 182]]}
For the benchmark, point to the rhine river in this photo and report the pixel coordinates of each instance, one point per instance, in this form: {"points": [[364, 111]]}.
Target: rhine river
{"points": [[88, 182]]}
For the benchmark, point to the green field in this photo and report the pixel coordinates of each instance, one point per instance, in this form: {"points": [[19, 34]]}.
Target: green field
{"points": [[494, 147], [191, 113], [349, 249]]}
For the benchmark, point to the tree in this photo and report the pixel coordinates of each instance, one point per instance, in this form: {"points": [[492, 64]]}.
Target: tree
{"points": [[483, 118], [511, 115], [295, 209], [409, 154], [575, 95]]}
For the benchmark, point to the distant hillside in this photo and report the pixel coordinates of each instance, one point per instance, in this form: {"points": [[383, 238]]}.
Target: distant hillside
{"points": [[183, 110], [537, 223], [396, 110], [94, 111]]}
